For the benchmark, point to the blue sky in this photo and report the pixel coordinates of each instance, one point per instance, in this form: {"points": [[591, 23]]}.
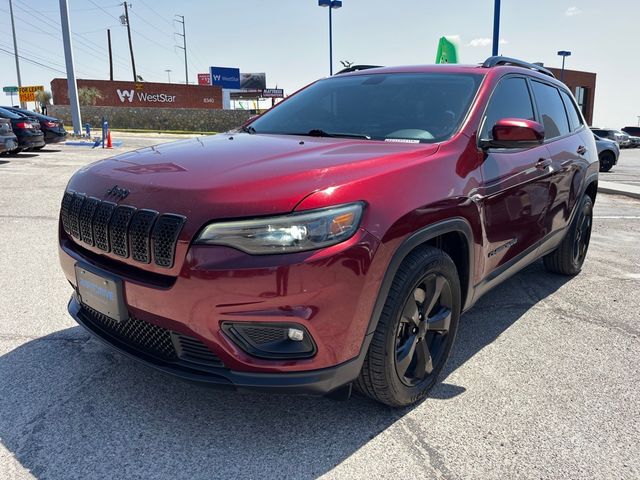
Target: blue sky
{"points": [[287, 39]]}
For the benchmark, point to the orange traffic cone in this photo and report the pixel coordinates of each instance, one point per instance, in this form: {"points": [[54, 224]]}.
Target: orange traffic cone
{"points": [[109, 144]]}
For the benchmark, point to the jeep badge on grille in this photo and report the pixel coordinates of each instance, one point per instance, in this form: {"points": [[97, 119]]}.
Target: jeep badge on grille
{"points": [[117, 192]]}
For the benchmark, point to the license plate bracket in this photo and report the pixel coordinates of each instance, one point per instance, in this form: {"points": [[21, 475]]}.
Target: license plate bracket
{"points": [[101, 291]]}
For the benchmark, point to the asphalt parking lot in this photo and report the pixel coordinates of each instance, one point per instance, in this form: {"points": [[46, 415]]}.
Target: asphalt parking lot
{"points": [[544, 381], [628, 169]]}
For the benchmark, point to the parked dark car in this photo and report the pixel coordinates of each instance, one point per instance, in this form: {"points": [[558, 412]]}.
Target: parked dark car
{"points": [[8, 139], [52, 127], [28, 131], [634, 131], [336, 239]]}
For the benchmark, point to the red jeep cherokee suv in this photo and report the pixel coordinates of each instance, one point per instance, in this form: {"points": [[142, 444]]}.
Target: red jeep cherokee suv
{"points": [[335, 240]]}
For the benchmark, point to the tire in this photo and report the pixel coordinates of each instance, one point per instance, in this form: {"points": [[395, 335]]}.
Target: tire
{"points": [[396, 370], [607, 159], [568, 258]]}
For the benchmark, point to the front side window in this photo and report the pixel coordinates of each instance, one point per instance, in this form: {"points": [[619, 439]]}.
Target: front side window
{"points": [[551, 110], [414, 107], [510, 99]]}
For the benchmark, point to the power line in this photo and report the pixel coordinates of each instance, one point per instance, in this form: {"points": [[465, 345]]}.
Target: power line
{"points": [[57, 28], [101, 8], [28, 60], [156, 13]]}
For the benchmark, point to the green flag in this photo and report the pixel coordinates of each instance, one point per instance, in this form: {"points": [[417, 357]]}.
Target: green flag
{"points": [[447, 51]]}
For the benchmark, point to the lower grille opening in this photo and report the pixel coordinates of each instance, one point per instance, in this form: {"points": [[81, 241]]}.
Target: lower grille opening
{"points": [[153, 340]]}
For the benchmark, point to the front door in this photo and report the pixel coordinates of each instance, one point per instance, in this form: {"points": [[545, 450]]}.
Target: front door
{"points": [[515, 190]]}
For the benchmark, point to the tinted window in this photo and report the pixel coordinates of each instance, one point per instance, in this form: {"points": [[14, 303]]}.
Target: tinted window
{"points": [[575, 121], [551, 110], [635, 131], [510, 99], [427, 107]]}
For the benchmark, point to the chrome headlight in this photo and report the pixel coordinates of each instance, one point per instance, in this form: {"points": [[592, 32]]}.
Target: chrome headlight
{"points": [[288, 233]]}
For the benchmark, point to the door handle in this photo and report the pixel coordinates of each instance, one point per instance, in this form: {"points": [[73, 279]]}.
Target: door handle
{"points": [[581, 150], [543, 163]]}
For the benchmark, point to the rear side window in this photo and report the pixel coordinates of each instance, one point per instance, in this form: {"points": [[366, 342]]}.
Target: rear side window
{"points": [[575, 121], [551, 109], [510, 99]]}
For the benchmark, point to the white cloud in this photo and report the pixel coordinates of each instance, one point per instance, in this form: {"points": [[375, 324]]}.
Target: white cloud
{"points": [[453, 38], [572, 11], [484, 42]]}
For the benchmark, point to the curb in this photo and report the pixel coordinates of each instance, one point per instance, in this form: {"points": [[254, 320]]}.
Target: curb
{"points": [[619, 189]]}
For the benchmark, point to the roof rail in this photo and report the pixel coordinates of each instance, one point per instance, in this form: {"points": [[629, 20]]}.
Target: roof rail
{"points": [[499, 60], [356, 68]]}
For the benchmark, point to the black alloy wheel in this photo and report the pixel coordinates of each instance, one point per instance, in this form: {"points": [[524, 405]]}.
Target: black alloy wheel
{"points": [[415, 331], [607, 159], [582, 236], [569, 256], [423, 328]]}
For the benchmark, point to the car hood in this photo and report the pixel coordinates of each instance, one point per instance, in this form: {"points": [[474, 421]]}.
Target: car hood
{"points": [[227, 176]]}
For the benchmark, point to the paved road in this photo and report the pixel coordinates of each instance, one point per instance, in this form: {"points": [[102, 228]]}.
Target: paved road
{"points": [[628, 168], [544, 381]]}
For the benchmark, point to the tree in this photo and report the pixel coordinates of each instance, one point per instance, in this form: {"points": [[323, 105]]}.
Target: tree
{"points": [[44, 99], [89, 95]]}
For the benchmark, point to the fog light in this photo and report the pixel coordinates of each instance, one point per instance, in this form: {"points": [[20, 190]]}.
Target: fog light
{"points": [[295, 334], [271, 340]]}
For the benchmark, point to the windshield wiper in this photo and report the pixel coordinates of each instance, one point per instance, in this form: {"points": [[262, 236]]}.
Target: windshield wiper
{"points": [[316, 132], [248, 129]]}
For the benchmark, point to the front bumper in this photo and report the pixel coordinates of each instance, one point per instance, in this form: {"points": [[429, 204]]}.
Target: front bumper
{"points": [[315, 382], [330, 293]]}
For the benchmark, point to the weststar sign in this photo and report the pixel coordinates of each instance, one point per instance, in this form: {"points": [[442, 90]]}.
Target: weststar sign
{"points": [[129, 95], [144, 94]]}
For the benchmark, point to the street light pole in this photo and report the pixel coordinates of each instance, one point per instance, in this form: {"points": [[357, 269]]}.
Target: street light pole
{"points": [[564, 54], [168, 70], [15, 51], [72, 86], [496, 27], [331, 4]]}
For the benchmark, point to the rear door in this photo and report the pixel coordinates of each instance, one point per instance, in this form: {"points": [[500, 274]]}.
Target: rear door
{"points": [[515, 182], [567, 151]]}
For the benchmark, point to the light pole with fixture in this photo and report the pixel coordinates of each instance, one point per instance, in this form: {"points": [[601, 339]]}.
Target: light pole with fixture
{"points": [[331, 4], [168, 70], [564, 54]]}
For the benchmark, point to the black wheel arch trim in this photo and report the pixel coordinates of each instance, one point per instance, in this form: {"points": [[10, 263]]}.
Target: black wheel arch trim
{"points": [[453, 225]]}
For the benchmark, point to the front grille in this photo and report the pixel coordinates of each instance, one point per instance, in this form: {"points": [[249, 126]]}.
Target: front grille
{"points": [[140, 233], [118, 230], [143, 336], [165, 235], [122, 230], [153, 340]]}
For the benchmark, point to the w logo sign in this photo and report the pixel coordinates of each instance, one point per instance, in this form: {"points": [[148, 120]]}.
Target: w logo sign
{"points": [[125, 94]]}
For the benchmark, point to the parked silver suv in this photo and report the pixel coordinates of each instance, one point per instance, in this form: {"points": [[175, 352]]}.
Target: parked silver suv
{"points": [[621, 138]]}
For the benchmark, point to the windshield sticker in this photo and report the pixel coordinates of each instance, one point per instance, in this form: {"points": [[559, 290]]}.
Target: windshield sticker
{"points": [[401, 140]]}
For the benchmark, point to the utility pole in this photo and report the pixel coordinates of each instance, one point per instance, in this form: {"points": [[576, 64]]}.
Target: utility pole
{"points": [[125, 21], [184, 47], [71, 73], [110, 55], [15, 50]]}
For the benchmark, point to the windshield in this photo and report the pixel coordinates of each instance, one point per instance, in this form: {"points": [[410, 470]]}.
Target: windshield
{"points": [[411, 107]]}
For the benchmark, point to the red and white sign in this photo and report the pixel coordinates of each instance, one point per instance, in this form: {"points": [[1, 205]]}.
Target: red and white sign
{"points": [[204, 79]]}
